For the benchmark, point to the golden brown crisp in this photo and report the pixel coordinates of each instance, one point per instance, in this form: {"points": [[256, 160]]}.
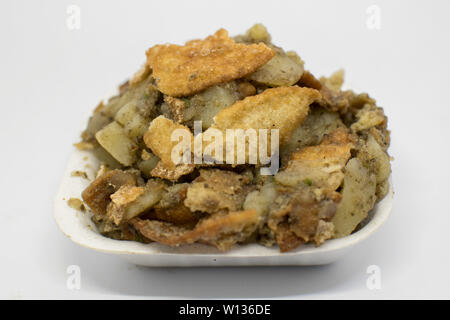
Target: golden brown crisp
{"points": [[254, 103], [171, 207], [173, 174], [130, 201], [199, 64], [308, 80], [216, 190], [176, 107], [319, 166], [97, 194], [126, 194], [297, 220], [236, 226], [281, 108], [140, 75], [286, 238], [76, 204], [159, 139]]}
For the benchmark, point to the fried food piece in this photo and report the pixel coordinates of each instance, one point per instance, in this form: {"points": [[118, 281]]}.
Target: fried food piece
{"points": [[76, 204], [319, 166], [177, 108], [262, 199], [97, 194], [257, 33], [159, 139], [296, 217], [216, 190], [324, 231], [171, 207], [246, 89], [172, 174], [220, 230], [335, 100], [286, 239], [130, 201], [199, 64], [281, 108], [205, 105], [308, 80], [373, 157], [358, 197], [240, 89], [369, 116]]}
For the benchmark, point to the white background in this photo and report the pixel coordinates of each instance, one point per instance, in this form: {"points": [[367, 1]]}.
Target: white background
{"points": [[52, 77]]}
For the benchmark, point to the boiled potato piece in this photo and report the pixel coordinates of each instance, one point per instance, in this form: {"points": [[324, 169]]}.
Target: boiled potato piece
{"points": [[130, 201], [97, 194], [134, 124], [137, 126], [126, 113], [146, 166], [374, 158], [280, 71], [358, 198], [205, 105], [114, 139]]}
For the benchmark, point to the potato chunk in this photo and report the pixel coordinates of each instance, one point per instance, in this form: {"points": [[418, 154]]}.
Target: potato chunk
{"points": [[159, 139], [115, 140], [199, 64], [280, 71], [318, 123], [376, 159], [319, 166], [97, 194], [358, 198], [130, 201]]}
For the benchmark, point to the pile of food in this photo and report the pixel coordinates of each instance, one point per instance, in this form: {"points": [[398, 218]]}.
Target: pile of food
{"points": [[333, 160]]}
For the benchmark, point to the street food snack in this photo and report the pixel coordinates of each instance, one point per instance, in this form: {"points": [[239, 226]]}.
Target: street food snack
{"points": [[230, 140]]}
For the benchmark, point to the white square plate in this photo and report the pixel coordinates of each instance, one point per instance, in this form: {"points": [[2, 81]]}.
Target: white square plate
{"points": [[79, 227]]}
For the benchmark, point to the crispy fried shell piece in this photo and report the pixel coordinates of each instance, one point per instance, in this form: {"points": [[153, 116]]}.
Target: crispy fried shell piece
{"points": [[319, 166], [130, 201], [172, 174], [171, 207], [199, 64], [159, 139], [216, 190], [97, 194], [281, 108], [221, 230]]}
